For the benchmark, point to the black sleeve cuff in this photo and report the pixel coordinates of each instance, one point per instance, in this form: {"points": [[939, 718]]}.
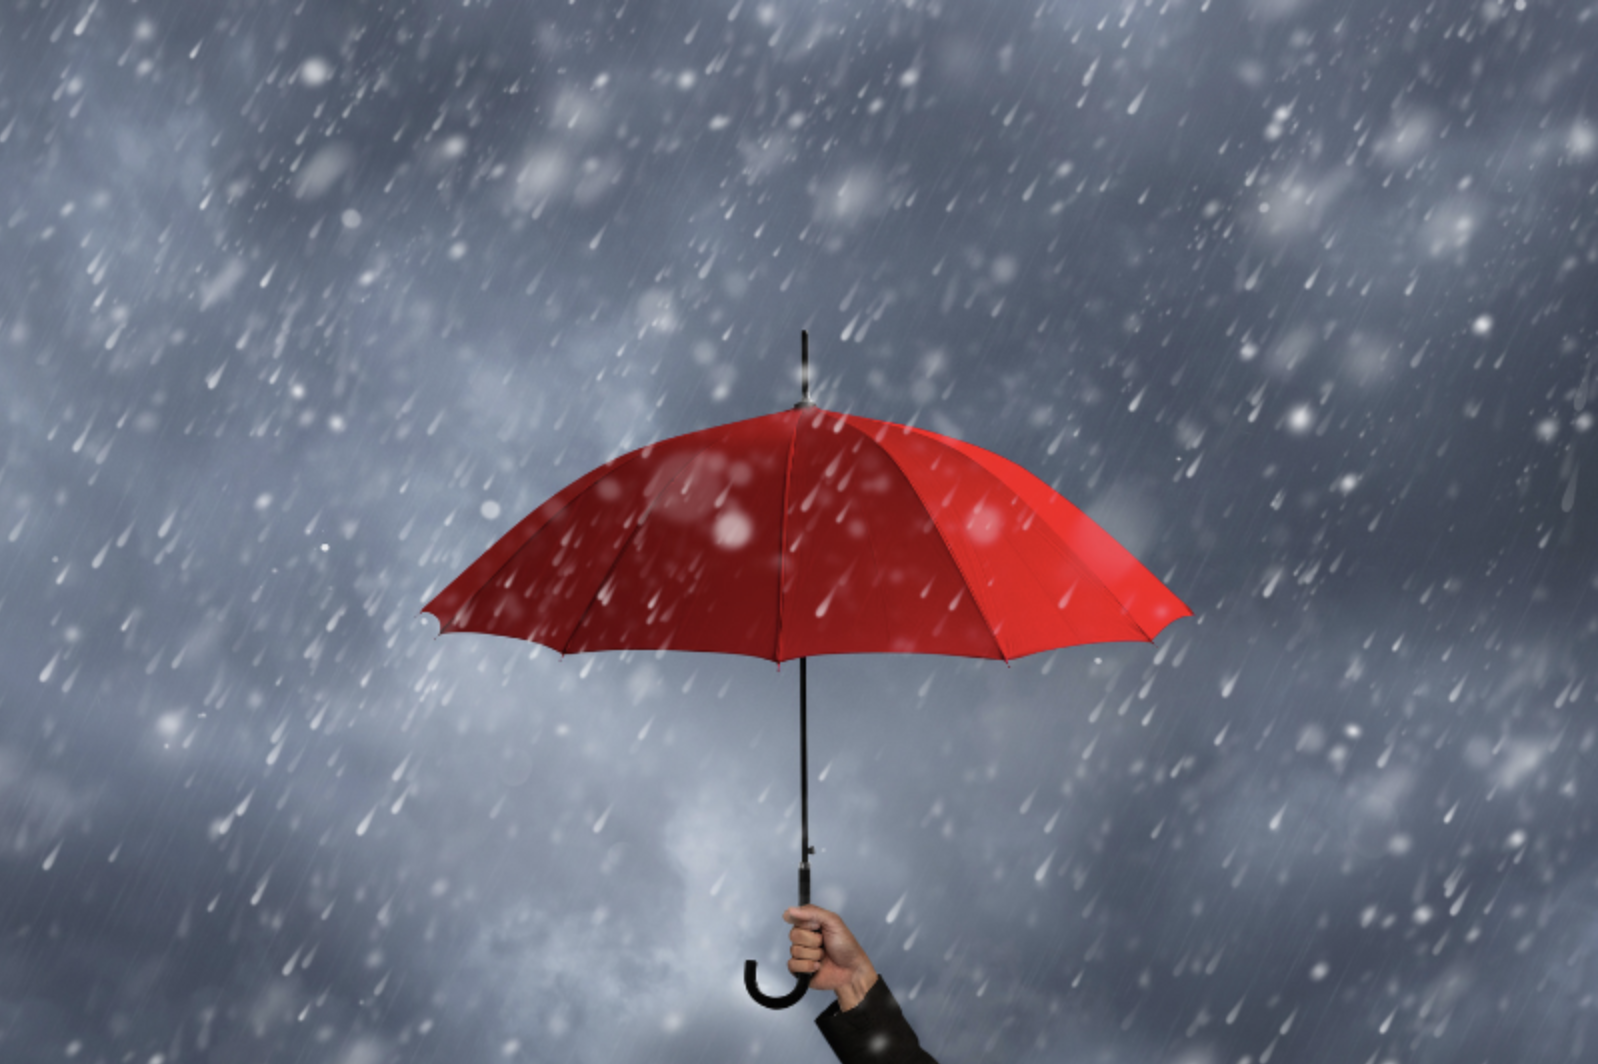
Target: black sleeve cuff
{"points": [[875, 1029]]}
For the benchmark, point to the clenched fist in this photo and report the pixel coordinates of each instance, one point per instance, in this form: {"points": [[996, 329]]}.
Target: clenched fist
{"points": [[824, 947]]}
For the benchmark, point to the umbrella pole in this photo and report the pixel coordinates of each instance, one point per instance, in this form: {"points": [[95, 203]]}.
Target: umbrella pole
{"points": [[802, 982], [805, 849]]}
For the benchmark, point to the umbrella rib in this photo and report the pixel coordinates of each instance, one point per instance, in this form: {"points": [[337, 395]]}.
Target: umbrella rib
{"points": [[622, 550], [975, 599]]}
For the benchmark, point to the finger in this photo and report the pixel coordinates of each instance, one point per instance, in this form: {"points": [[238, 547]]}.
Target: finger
{"points": [[802, 953], [804, 967], [800, 937], [803, 916], [810, 912], [823, 920]]}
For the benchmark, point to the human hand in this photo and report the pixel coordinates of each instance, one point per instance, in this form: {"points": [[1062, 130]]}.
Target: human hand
{"points": [[824, 947]]}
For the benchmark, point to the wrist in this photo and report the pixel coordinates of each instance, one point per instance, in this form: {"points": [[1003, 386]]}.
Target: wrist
{"points": [[854, 991]]}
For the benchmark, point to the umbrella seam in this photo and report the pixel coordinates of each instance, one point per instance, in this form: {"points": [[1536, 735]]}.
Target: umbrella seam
{"points": [[975, 599], [1050, 529], [782, 540], [566, 646], [614, 465], [619, 462], [1087, 573]]}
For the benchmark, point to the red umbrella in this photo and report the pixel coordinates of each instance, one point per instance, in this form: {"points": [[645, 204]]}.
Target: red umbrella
{"points": [[802, 533]]}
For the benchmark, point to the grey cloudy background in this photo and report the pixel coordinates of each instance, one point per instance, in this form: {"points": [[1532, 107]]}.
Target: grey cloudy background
{"points": [[302, 305]]}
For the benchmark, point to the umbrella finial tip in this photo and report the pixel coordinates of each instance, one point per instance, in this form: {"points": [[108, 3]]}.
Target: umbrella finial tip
{"points": [[804, 371]]}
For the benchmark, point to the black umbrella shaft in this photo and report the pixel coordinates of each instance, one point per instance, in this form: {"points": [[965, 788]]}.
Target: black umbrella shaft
{"points": [[804, 794]]}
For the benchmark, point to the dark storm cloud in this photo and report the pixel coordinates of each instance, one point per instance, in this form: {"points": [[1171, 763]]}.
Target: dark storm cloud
{"points": [[302, 307]]}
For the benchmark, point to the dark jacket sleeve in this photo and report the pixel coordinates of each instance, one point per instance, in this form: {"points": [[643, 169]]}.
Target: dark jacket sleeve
{"points": [[874, 1031]]}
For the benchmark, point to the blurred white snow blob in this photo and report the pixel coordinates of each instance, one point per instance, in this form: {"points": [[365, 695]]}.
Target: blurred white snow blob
{"points": [[542, 175], [851, 197], [315, 72], [1410, 136], [1521, 759], [1271, 10], [1582, 143], [985, 524], [656, 310], [1368, 359], [577, 112], [1128, 514], [489, 509], [365, 1049], [1449, 226], [322, 171], [220, 286], [1300, 419], [1483, 325], [168, 724], [1289, 352], [733, 529]]}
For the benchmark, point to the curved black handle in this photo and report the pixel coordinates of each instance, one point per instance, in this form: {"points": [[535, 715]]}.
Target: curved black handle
{"points": [[791, 998], [788, 1000]]}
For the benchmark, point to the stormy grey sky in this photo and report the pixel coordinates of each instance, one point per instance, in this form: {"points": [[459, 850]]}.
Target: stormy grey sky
{"points": [[302, 305]]}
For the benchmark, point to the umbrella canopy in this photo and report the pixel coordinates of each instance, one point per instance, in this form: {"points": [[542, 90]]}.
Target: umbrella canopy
{"points": [[803, 533]]}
